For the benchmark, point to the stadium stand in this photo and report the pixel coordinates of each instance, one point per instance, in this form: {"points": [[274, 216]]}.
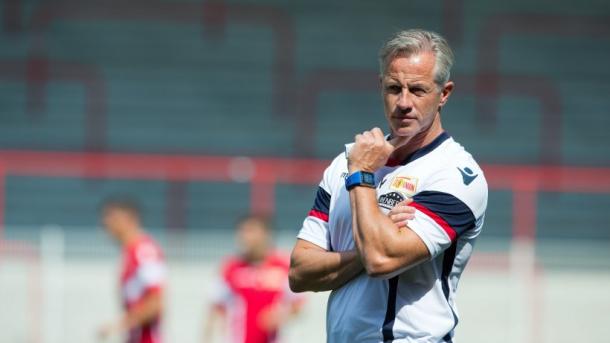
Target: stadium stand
{"points": [[292, 80]]}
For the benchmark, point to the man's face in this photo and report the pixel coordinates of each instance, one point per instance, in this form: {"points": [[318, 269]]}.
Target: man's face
{"points": [[411, 98], [253, 239], [116, 220]]}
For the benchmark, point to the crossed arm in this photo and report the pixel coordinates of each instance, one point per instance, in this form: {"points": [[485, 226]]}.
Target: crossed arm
{"points": [[313, 268], [385, 248], [384, 243]]}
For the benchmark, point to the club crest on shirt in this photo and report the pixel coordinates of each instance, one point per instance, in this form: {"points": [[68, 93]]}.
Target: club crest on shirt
{"points": [[406, 185], [389, 200]]}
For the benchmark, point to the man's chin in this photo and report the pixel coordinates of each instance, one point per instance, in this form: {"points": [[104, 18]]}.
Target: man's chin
{"points": [[404, 132]]}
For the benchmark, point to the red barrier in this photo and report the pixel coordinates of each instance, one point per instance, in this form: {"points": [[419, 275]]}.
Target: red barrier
{"points": [[264, 173]]}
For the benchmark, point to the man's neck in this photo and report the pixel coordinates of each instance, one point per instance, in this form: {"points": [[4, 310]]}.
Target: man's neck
{"points": [[419, 141], [130, 237], [257, 258]]}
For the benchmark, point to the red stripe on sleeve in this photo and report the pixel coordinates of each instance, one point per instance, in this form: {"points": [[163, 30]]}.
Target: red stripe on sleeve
{"points": [[440, 221], [320, 215]]}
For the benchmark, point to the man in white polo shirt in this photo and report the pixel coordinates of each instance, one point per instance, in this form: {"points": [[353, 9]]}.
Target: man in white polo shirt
{"points": [[411, 268]]}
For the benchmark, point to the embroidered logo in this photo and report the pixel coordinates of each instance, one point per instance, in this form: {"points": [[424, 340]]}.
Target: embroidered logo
{"points": [[389, 200], [404, 184]]}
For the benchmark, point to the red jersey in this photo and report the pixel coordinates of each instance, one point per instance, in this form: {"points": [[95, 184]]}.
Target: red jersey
{"points": [[248, 290], [143, 272]]}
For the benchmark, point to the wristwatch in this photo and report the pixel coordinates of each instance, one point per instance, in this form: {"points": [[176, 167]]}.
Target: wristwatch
{"points": [[360, 178]]}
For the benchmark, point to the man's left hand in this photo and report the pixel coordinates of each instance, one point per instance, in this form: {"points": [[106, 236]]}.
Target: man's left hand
{"points": [[402, 212]]}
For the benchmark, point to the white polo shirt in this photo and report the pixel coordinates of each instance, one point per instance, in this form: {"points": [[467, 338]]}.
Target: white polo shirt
{"points": [[449, 193]]}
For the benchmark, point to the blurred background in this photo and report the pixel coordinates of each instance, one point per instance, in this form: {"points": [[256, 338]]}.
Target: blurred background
{"points": [[206, 110]]}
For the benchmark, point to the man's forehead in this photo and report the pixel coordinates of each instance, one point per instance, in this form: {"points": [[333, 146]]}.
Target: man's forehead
{"points": [[117, 211], [414, 67]]}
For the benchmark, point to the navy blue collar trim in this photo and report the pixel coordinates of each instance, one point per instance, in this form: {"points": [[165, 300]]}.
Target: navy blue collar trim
{"points": [[427, 149]]}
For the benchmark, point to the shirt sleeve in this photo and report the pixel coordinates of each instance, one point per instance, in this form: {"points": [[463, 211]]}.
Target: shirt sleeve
{"points": [[315, 225], [220, 293], [440, 218], [151, 272]]}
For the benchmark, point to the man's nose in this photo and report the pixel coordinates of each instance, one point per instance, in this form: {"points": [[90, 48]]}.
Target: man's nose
{"points": [[404, 100]]}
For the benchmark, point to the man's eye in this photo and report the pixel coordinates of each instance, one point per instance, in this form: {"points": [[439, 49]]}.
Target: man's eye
{"points": [[417, 91], [394, 89]]}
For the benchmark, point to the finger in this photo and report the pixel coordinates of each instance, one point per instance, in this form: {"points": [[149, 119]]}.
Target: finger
{"points": [[397, 209], [402, 206], [378, 133], [379, 138], [400, 217], [403, 210], [368, 136], [405, 202]]}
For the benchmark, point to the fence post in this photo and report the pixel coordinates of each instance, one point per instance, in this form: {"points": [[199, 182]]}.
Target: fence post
{"points": [[52, 256]]}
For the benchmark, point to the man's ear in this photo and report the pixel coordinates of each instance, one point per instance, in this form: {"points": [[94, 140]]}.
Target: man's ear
{"points": [[446, 92]]}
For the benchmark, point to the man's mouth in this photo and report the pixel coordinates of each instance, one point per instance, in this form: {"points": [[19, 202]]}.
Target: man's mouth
{"points": [[404, 118]]}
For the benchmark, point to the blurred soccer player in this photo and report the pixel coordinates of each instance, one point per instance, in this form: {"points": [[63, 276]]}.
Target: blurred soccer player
{"points": [[142, 275], [252, 294]]}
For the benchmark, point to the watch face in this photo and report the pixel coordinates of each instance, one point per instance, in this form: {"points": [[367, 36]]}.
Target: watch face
{"points": [[368, 178]]}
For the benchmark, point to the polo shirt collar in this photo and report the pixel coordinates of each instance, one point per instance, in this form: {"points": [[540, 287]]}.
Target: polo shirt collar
{"points": [[421, 151]]}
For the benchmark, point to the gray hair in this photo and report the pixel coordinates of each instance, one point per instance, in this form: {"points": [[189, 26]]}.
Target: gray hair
{"points": [[405, 43]]}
